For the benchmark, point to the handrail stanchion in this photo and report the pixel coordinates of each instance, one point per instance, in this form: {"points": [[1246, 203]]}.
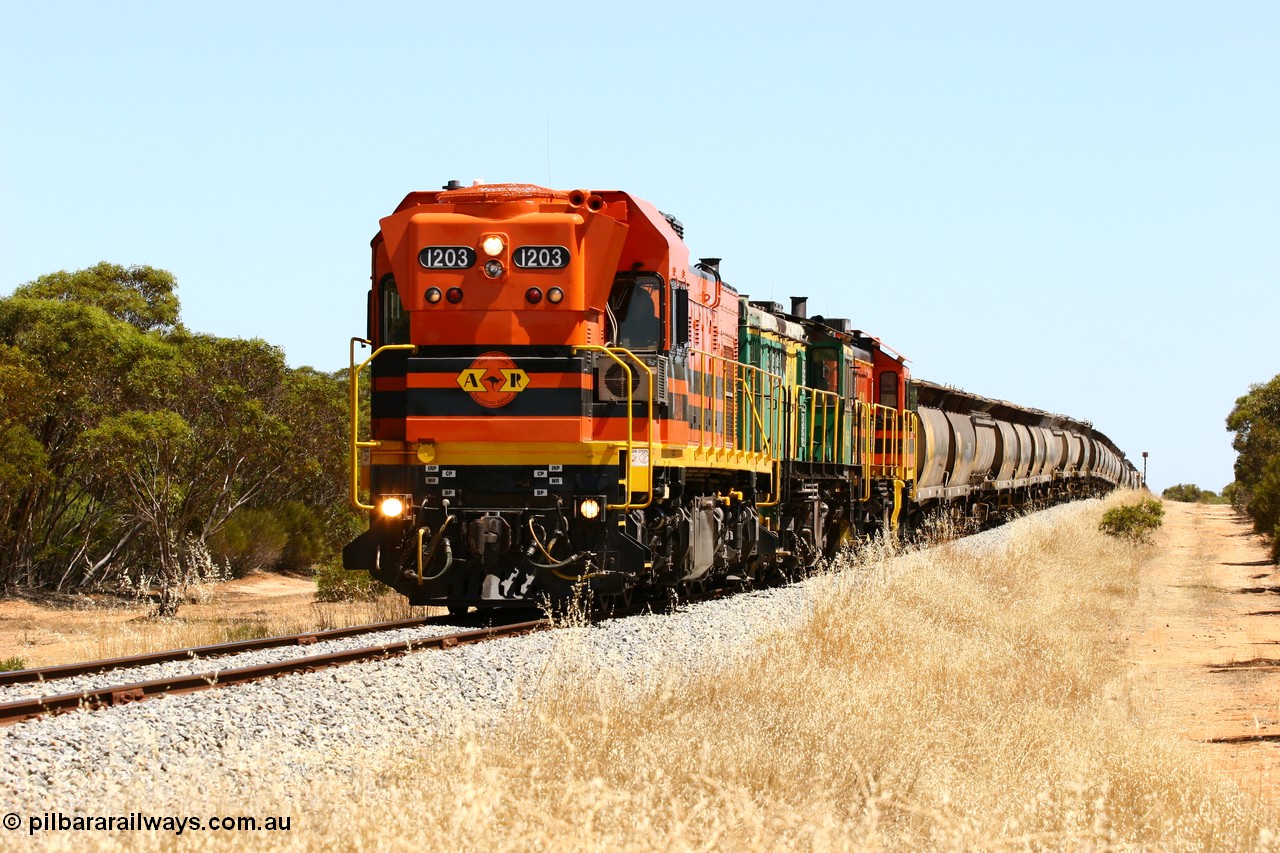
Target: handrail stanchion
{"points": [[353, 377], [611, 353], [648, 430]]}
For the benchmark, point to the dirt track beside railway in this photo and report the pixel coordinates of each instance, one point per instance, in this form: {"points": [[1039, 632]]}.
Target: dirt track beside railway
{"points": [[1203, 641]]}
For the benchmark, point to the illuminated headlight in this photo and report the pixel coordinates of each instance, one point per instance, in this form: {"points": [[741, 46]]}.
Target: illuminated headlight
{"points": [[589, 508], [493, 269], [391, 507], [492, 245]]}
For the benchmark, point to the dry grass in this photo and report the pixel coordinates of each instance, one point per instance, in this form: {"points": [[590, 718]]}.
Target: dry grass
{"points": [[99, 629], [951, 700], [217, 624]]}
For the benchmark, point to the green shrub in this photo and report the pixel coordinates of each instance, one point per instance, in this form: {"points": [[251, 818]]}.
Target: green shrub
{"points": [[1183, 492], [12, 664], [1264, 503], [307, 544], [251, 539], [1134, 522], [334, 583]]}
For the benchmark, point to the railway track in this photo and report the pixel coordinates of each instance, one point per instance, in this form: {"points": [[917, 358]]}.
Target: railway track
{"points": [[126, 693]]}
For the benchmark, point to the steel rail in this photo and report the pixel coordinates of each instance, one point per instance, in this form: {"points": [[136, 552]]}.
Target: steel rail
{"points": [[52, 673], [106, 697]]}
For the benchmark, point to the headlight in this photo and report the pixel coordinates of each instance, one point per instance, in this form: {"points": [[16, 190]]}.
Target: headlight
{"points": [[391, 507], [554, 295], [589, 508], [493, 269], [492, 245]]}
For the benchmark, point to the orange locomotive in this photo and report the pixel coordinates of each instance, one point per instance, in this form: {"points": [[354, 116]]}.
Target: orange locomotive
{"points": [[558, 396]]}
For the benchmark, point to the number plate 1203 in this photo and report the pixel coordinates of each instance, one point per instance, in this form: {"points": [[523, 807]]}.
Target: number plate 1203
{"points": [[540, 257]]}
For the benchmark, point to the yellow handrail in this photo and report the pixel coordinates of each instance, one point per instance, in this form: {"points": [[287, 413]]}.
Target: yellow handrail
{"points": [[756, 383], [897, 433], [867, 445], [649, 428], [758, 387], [813, 399], [612, 352], [766, 445], [354, 379], [775, 487], [910, 432]]}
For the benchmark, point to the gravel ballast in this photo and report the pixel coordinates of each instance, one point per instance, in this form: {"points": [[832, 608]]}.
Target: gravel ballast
{"points": [[321, 723], [202, 666], [303, 727]]}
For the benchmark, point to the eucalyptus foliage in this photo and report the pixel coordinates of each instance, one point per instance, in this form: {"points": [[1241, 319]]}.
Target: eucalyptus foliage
{"points": [[1255, 420], [127, 442]]}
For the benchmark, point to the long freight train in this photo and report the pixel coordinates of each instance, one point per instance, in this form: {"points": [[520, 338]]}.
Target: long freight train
{"points": [[560, 396]]}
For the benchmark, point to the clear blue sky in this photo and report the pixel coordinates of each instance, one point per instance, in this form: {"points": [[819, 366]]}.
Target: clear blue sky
{"points": [[1074, 206]]}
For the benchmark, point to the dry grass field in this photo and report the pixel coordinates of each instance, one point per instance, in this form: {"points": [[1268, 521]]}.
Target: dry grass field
{"points": [[963, 698], [957, 699], [97, 627]]}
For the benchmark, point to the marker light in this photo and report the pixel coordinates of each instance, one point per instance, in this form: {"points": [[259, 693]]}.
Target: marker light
{"points": [[533, 295], [555, 296], [492, 245], [493, 269], [434, 295], [454, 295], [589, 508], [391, 507]]}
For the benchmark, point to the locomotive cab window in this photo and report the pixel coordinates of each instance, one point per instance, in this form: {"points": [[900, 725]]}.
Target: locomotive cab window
{"points": [[635, 304], [830, 373], [393, 320], [889, 389]]}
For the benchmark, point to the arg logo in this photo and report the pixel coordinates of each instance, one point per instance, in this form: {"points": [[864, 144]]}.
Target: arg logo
{"points": [[493, 380]]}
